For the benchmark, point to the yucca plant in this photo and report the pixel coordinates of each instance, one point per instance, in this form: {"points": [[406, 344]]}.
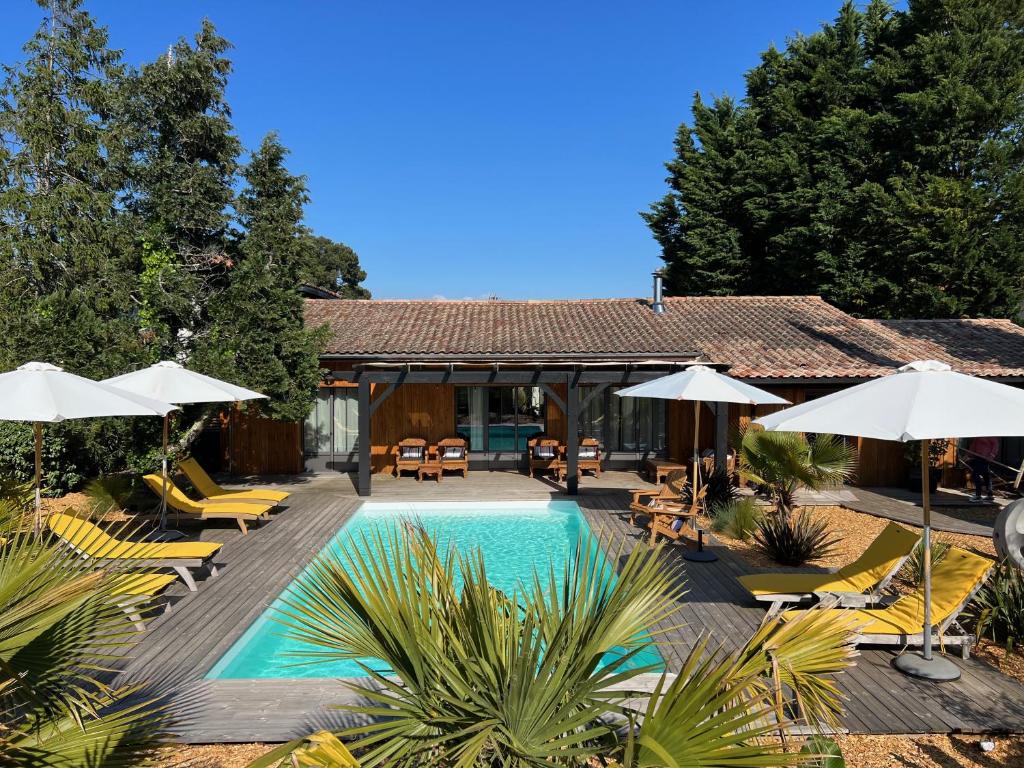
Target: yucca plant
{"points": [[320, 750], [59, 625], [780, 463], [723, 709], [794, 540], [738, 518], [998, 608]]}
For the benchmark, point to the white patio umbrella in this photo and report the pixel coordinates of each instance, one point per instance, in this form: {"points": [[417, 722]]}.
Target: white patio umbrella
{"points": [[40, 392], [701, 383], [169, 381], [923, 400]]}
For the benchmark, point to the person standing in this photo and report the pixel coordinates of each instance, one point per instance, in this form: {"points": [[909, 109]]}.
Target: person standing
{"points": [[983, 451]]}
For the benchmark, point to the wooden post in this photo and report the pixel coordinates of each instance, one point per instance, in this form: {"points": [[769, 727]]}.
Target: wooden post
{"points": [[572, 437], [363, 485]]}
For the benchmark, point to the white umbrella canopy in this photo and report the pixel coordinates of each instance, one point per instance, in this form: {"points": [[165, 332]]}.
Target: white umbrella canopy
{"points": [[167, 380], [40, 392], [922, 400], [701, 383]]}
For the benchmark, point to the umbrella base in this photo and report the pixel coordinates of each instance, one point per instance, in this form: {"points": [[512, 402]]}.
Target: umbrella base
{"points": [[699, 556], [168, 534], [938, 669]]}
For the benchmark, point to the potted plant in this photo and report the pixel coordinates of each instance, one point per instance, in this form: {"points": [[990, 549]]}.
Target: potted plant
{"points": [[936, 451]]}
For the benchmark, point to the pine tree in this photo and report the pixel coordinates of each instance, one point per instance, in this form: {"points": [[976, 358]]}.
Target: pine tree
{"points": [[258, 337], [334, 266]]}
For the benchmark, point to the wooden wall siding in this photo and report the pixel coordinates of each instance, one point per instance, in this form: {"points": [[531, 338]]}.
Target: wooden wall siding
{"points": [[679, 429], [741, 415], [412, 410], [556, 421], [261, 446]]}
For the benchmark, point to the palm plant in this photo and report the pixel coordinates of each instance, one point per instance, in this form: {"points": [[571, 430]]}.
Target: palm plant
{"points": [[59, 624], [541, 677], [721, 708], [780, 463]]}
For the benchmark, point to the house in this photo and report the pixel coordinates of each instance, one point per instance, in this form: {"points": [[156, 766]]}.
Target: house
{"points": [[497, 371]]}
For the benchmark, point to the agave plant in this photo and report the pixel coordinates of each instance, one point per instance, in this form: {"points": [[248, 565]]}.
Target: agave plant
{"points": [[722, 708], [780, 463], [544, 676], [59, 624]]}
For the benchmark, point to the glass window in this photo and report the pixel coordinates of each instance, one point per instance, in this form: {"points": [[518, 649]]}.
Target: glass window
{"points": [[624, 423], [346, 420], [498, 419]]}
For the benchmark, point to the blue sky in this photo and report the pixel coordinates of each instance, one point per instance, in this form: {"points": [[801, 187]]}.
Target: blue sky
{"points": [[471, 148]]}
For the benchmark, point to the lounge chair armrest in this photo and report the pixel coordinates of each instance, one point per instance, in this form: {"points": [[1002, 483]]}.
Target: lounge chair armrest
{"points": [[640, 493]]}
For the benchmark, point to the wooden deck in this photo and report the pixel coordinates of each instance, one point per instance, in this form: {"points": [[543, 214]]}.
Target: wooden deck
{"points": [[182, 645]]}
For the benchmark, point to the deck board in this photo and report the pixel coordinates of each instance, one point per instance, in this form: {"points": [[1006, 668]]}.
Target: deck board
{"points": [[182, 645]]}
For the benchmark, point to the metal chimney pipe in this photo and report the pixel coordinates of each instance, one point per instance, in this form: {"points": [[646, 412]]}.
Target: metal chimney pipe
{"points": [[658, 305]]}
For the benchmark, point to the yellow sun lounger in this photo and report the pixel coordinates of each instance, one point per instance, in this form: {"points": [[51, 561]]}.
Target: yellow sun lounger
{"points": [[240, 512], [955, 580], [133, 590], [870, 573], [93, 542], [205, 485]]}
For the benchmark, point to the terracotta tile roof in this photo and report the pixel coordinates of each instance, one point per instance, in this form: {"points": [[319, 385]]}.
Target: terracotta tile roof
{"points": [[758, 336], [983, 347]]}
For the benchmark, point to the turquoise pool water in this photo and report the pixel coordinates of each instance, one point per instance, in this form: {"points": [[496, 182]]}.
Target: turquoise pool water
{"points": [[514, 537]]}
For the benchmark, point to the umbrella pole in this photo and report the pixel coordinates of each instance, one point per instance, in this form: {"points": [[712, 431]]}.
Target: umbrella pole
{"points": [[38, 525], [163, 474], [699, 555], [925, 665], [696, 453]]}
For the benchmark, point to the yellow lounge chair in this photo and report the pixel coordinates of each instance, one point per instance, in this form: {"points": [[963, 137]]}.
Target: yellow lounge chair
{"points": [[955, 580], [133, 590], [205, 485], [93, 542], [239, 511], [870, 573]]}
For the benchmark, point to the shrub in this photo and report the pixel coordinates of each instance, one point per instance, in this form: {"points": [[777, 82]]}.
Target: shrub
{"points": [[913, 569], [738, 518], [793, 540], [998, 609], [114, 493]]}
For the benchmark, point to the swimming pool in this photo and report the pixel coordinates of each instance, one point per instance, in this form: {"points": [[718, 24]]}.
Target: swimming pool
{"points": [[514, 537]]}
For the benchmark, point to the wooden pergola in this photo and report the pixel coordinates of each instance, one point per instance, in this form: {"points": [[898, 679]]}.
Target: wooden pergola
{"points": [[598, 373]]}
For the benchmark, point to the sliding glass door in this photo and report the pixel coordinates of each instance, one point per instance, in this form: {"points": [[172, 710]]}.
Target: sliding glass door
{"points": [[331, 431], [498, 420]]}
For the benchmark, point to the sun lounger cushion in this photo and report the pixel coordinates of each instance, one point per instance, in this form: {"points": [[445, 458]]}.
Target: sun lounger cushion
{"points": [[455, 452], [177, 499], [953, 580], [97, 543], [411, 451], [544, 451], [890, 546], [588, 452], [205, 485]]}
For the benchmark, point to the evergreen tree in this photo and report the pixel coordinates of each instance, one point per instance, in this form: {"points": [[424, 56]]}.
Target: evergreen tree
{"points": [[258, 337], [876, 162], [184, 164], [334, 266]]}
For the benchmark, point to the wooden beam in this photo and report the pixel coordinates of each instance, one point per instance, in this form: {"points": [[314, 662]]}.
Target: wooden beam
{"points": [[554, 396], [363, 485], [594, 392], [391, 387]]}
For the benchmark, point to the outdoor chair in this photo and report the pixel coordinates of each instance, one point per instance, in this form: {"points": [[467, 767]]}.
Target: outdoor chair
{"points": [[544, 453], [674, 521], [241, 512], [646, 500], [412, 452], [870, 573], [452, 454], [589, 456], [102, 549], [203, 483], [955, 580]]}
